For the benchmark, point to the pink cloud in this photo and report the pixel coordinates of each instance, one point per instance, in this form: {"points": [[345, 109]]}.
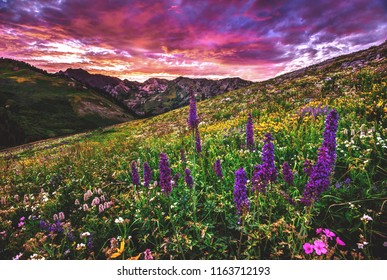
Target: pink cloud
{"points": [[254, 40]]}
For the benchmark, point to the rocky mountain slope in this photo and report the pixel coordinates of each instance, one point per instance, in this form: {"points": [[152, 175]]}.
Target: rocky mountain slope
{"points": [[154, 96]]}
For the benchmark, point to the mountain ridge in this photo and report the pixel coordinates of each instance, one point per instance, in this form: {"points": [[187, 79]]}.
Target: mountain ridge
{"points": [[154, 96]]}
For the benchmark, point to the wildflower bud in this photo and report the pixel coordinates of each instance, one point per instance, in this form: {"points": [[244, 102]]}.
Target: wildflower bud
{"points": [[100, 208], [61, 216], [55, 217], [102, 198], [3, 200], [148, 255], [85, 207], [16, 197], [77, 202], [95, 201], [25, 200], [99, 191]]}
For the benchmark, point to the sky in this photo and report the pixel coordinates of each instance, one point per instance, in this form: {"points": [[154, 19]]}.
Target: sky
{"points": [[137, 40]]}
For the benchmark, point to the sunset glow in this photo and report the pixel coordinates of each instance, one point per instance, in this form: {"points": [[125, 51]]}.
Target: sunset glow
{"points": [[254, 40]]}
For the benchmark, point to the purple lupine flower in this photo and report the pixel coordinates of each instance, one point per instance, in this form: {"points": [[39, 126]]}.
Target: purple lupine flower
{"points": [[135, 176], [268, 158], [165, 174], [188, 178], [288, 174], [43, 224], [198, 141], [250, 133], [193, 120], [265, 172], [320, 176], [308, 166], [147, 174], [218, 168], [90, 243], [148, 255], [330, 130], [241, 200], [259, 179], [70, 236]]}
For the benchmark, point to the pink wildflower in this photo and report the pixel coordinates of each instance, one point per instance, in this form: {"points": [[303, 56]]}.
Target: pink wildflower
{"points": [[308, 248], [329, 233], [339, 241], [319, 247]]}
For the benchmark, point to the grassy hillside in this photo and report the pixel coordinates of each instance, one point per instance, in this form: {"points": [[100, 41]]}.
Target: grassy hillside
{"points": [[77, 197], [35, 105]]}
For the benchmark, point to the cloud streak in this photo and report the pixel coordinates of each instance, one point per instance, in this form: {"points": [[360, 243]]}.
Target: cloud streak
{"points": [[140, 39]]}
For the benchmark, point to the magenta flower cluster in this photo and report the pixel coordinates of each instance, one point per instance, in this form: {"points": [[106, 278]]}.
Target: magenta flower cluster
{"points": [[321, 245]]}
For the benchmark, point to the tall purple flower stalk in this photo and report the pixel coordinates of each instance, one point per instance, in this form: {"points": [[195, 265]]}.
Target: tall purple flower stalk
{"points": [[268, 158], [198, 141], [165, 174], [288, 174], [193, 119], [241, 200], [135, 176], [265, 172], [147, 174], [218, 168], [188, 178], [250, 133], [320, 174]]}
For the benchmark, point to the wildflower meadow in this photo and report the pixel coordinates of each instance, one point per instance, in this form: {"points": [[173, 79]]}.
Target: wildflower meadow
{"points": [[290, 170]]}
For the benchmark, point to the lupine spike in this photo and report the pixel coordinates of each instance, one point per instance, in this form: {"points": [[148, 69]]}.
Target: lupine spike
{"points": [[288, 174], [135, 175], [218, 168], [147, 174], [198, 141], [241, 199], [165, 174], [320, 174], [188, 178], [193, 119]]}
